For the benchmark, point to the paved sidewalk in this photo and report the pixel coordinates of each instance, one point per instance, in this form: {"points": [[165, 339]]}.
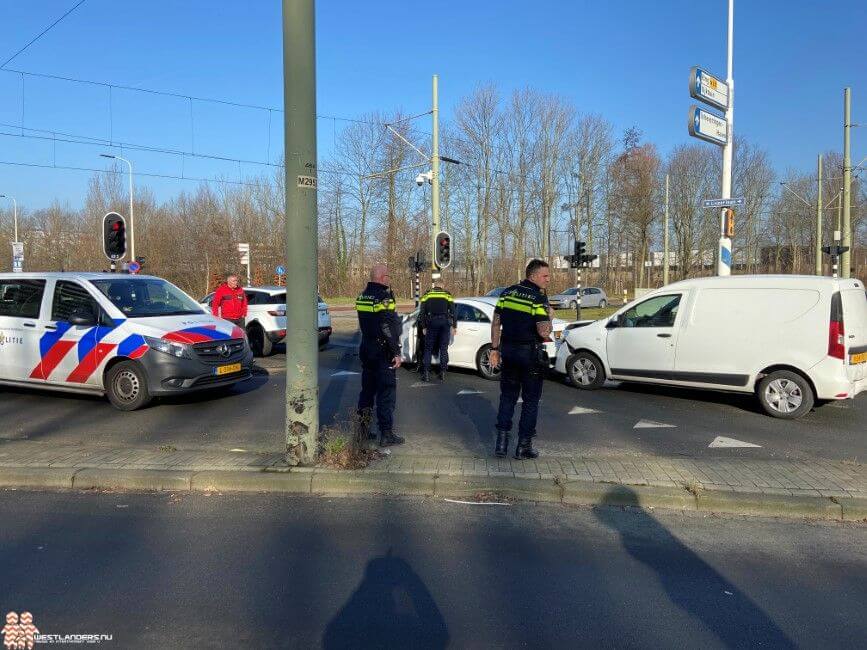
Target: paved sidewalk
{"points": [[821, 488]]}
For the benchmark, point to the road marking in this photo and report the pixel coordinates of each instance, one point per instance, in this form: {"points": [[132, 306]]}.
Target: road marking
{"points": [[721, 442], [470, 392], [421, 384], [651, 424], [477, 503], [580, 410], [344, 373]]}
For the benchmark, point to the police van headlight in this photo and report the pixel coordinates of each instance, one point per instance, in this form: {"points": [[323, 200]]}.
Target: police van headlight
{"points": [[180, 350]]}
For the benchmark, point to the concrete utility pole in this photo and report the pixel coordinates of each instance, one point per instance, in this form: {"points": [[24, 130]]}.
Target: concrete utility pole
{"points": [[302, 357], [435, 175], [819, 219], [665, 238], [845, 258], [724, 256]]}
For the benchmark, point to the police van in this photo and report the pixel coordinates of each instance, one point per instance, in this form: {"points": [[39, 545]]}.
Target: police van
{"points": [[130, 337]]}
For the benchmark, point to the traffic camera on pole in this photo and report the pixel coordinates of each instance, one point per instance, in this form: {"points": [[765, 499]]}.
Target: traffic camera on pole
{"points": [[443, 249], [114, 236]]}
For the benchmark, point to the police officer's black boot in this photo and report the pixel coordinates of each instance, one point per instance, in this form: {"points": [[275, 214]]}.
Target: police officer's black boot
{"points": [[501, 449], [524, 450], [388, 438]]}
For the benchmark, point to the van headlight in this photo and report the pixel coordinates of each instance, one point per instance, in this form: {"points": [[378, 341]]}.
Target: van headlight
{"points": [[180, 350]]}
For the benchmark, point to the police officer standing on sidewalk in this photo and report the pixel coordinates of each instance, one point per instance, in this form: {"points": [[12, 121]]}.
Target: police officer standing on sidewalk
{"points": [[522, 322], [380, 355], [438, 323]]}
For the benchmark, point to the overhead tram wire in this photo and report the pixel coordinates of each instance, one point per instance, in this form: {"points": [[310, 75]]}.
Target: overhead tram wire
{"points": [[41, 34]]}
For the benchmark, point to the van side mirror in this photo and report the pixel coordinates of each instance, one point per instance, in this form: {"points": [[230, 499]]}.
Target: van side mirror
{"points": [[82, 317], [613, 323]]}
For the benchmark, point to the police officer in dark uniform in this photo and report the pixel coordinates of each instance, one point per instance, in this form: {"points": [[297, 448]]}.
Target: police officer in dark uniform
{"points": [[522, 322], [380, 355], [438, 323]]}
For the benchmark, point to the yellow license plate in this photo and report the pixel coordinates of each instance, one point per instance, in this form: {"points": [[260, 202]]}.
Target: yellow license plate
{"points": [[861, 357], [228, 370]]}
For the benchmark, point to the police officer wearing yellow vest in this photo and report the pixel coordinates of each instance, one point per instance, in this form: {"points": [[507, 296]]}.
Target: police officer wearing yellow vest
{"points": [[380, 355], [438, 323], [522, 322]]}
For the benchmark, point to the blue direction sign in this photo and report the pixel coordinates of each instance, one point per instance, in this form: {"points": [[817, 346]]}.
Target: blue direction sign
{"points": [[706, 88], [723, 203], [707, 126], [280, 270]]}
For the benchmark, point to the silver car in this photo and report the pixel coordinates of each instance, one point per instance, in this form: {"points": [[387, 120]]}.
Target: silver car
{"points": [[590, 297]]}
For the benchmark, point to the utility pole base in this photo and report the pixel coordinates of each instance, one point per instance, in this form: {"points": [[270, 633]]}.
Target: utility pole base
{"points": [[724, 257]]}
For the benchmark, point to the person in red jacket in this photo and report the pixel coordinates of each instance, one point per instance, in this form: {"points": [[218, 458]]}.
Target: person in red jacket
{"points": [[230, 302]]}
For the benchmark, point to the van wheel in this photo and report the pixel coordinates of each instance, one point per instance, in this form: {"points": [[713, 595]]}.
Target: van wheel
{"points": [[483, 364], [585, 371], [785, 394], [261, 345], [126, 386]]}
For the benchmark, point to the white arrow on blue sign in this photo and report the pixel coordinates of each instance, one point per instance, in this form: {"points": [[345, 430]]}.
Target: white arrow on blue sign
{"points": [[281, 270], [723, 203]]}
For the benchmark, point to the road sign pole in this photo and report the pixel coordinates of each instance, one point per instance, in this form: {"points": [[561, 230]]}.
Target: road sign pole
{"points": [[578, 301], [724, 254], [845, 260], [819, 218], [665, 237], [302, 358]]}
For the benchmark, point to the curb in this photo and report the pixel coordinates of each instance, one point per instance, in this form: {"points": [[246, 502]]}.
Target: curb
{"points": [[345, 483]]}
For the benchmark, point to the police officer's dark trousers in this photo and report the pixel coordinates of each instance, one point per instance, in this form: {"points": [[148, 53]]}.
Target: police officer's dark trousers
{"points": [[378, 383], [437, 338], [521, 376]]}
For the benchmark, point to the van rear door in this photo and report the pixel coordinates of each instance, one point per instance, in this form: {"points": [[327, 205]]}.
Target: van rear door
{"points": [[855, 323]]}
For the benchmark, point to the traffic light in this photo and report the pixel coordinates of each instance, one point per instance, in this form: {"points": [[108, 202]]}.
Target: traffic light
{"points": [[443, 249], [729, 223], [113, 236], [580, 250]]}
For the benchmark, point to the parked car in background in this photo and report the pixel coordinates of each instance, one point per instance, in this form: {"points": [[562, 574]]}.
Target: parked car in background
{"points": [[495, 293], [471, 346], [790, 340], [266, 318], [590, 297]]}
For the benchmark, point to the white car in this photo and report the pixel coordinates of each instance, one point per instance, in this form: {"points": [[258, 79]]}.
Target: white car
{"points": [[790, 340], [471, 346], [130, 337], [266, 318]]}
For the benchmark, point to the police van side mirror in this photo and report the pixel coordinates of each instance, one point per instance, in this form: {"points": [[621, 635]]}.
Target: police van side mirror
{"points": [[82, 317]]}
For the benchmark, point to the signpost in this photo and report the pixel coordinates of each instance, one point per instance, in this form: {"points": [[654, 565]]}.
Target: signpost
{"points": [[244, 249], [280, 270], [706, 88], [17, 257], [724, 203], [133, 267], [707, 126]]}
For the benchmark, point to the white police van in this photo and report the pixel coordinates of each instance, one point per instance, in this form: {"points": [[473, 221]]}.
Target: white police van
{"points": [[131, 337]]}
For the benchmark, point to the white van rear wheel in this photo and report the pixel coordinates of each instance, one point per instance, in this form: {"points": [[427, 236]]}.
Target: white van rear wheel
{"points": [[785, 394]]}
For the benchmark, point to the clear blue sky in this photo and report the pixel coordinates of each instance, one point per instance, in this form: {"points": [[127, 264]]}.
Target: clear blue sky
{"points": [[628, 60]]}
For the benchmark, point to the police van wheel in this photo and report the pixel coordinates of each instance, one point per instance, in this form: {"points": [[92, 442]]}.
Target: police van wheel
{"points": [[585, 371], [483, 363], [126, 386]]}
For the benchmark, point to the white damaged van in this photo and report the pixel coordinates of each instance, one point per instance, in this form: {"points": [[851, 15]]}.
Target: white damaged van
{"points": [[791, 340], [130, 337]]}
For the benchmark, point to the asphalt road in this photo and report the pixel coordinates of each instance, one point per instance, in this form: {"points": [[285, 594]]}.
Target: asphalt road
{"points": [[215, 571], [438, 419]]}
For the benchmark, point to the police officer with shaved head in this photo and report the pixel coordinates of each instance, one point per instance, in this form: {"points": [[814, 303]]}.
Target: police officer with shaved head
{"points": [[522, 323], [438, 323]]}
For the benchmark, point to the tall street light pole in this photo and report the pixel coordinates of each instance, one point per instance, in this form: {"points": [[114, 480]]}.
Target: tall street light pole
{"points": [[819, 218], [724, 258], [131, 216], [302, 352], [435, 173], [845, 258], [14, 213]]}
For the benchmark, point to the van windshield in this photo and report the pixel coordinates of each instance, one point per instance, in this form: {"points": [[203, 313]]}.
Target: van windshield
{"points": [[147, 297]]}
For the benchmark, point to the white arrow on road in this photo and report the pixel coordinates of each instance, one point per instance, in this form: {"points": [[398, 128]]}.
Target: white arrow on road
{"points": [[721, 442], [580, 410], [650, 424], [470, 392], [344, 373]]}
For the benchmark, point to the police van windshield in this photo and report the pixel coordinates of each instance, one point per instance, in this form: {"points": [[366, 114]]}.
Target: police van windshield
{"points": [[146, 297]]}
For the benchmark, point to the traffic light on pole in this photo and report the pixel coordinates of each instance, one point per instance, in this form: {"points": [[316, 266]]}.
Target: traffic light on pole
{"points": [[729, 224], [114, 236], [443, 249]]}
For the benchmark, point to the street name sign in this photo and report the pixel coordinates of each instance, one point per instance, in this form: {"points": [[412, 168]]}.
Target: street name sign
{"points": [[707, 126], [706, 88], [724, 203]]}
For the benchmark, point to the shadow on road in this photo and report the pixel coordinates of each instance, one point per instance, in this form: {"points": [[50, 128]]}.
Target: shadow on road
{"points": [[331, 398], [744, 401], [391, 608], [483, 416], [690, 583]]}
